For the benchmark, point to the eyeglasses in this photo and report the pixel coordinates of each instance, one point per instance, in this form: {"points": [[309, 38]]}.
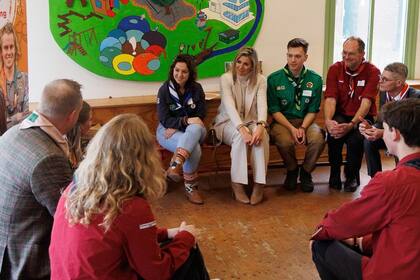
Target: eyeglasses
{"points": [[384, 79]]}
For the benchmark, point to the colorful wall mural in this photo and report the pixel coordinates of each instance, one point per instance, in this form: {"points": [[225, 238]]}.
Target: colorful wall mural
{"points": [[138, 39]]}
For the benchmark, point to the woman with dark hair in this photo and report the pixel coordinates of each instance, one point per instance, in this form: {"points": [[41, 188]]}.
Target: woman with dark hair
{"points": [[104, 227], [181, 111], [75, 135], [241, 123]]}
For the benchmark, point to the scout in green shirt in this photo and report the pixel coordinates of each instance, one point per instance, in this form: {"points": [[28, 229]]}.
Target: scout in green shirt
{"points": [[294, 96]]}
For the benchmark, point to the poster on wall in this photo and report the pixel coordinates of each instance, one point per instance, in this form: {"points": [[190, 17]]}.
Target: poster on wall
{"points": [[14, 101], [138, 39]]}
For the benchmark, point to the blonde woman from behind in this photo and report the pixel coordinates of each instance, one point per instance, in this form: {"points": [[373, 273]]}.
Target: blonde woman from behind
{"points": [[104, 227]]}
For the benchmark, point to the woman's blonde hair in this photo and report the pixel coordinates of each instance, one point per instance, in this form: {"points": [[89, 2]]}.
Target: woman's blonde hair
{"points": [[251, 53], [121, 162]]}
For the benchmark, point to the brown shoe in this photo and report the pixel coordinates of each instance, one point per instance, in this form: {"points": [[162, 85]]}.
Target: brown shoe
{"points": [[174, 171], [239, 193], [257, 193], [193, 194]]}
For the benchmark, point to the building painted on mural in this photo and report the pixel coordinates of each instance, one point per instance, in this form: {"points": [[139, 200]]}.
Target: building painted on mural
{"points": [[234, 11]]}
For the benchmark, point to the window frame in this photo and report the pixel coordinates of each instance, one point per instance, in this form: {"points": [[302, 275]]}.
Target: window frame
{"points": [[410, 40]]}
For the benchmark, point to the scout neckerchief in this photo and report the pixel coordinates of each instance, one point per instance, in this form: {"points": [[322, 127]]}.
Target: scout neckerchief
{"points": [[353, 75], [297, 84], [37, 120], [400, 95], [175, 97], [10, 107]]}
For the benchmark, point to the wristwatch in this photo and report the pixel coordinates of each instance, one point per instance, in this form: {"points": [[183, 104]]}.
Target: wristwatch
{"points": [[263, 123]]}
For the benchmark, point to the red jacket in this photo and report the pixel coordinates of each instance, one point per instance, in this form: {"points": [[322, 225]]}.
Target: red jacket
{"points": [[365, 86], [128, 249], [389, 212]]}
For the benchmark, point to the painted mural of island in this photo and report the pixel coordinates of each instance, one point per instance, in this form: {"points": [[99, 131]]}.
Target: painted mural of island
{"points": [[167, 12]]}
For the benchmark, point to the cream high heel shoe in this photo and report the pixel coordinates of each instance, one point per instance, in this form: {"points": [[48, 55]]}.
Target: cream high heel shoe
{"points": [[239, 193], [257, 193]]}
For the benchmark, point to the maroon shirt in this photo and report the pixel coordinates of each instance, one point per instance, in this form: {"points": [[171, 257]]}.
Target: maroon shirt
{"points": [[365, 86], [128, 249], [389, 212]]}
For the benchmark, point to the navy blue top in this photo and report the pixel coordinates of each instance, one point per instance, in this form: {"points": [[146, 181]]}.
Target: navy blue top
{"points": [[173, 112]]}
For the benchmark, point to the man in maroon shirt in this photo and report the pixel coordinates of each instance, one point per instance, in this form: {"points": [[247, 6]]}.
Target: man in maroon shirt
{"points": [[386, 215], [352, 87]]}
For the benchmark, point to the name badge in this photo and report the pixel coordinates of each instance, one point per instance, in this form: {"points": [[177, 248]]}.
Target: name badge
{"points": [[361, 83], [307, 93], [281, 88]]}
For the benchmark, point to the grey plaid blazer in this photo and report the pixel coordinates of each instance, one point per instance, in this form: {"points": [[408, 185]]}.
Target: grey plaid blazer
{"points": [[33, 171]]}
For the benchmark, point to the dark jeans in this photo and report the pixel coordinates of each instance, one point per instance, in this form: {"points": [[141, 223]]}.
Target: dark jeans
{"points": [[194, 267], [334, 260], [354, 143], [372, 155]]}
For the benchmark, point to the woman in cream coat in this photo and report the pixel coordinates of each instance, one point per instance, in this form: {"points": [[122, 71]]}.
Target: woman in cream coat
{"points": [[241, 123]]}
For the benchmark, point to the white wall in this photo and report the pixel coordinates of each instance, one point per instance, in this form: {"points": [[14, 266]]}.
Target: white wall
{"points": [[283, 20]]}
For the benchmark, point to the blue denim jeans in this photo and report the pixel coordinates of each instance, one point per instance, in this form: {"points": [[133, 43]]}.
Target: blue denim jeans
{"points": [[189, 140]]}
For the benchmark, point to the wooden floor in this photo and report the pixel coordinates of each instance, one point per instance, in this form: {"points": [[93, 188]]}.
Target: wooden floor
{"points": [[267, 241]]}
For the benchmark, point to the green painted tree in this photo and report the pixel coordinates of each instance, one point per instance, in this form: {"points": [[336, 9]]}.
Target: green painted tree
{"points": [[165, 3]]}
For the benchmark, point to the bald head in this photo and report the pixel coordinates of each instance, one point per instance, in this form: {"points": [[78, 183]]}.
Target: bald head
{"points": [[60, 98]]}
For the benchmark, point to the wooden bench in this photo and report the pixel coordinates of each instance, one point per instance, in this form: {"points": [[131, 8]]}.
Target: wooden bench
{"points": [[211, 160]]}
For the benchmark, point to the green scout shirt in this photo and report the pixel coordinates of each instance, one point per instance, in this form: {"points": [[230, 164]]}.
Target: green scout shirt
{"points": [[281, 94]]}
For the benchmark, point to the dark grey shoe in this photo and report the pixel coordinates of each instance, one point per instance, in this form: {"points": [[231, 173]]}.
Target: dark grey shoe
{"points": [[350, 185], [291, 180], [306, 184], [335, 179]]}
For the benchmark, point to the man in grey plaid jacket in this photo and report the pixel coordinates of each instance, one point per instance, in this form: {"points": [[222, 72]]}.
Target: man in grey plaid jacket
{"points": [[34, 168]]}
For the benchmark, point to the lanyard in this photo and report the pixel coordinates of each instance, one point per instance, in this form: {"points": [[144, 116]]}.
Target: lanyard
{"points": [[352, 79], [400, 95]]}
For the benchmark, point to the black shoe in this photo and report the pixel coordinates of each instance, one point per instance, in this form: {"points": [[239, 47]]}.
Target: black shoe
{"points": [[350, 185], [306, 184], [291, 180], [335, 182]]}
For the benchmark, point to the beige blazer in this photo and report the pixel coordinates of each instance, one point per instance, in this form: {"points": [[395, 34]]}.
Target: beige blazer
{"points": [[255, 103]]}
